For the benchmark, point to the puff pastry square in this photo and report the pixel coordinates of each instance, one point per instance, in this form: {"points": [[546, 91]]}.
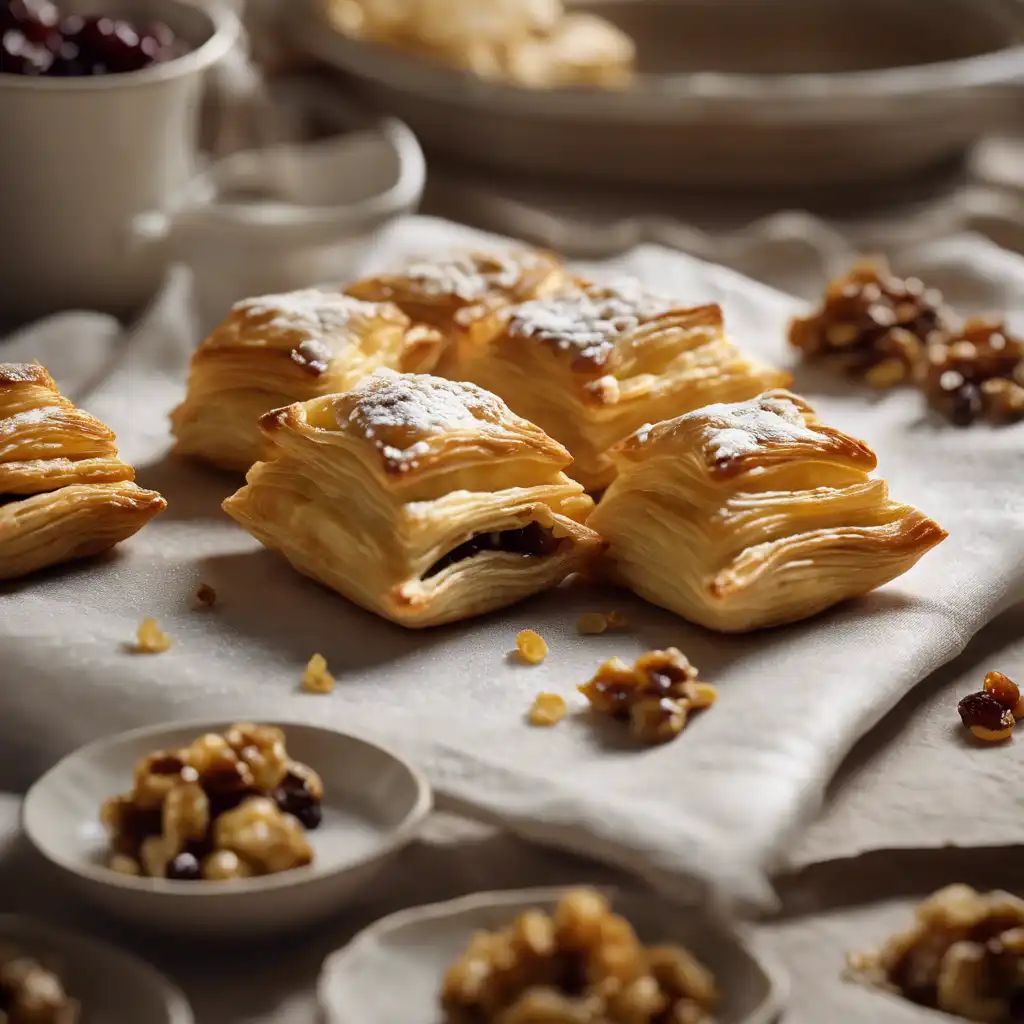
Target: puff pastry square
{"points": [[463, 288], [421, 499], [595, 362], [754, 514], [277, 349], [64, 493]]}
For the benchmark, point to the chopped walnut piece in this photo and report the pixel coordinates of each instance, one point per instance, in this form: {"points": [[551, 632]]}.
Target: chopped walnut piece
{"points": [[592, 624], [986, 717], [583, 964], [206, 596], [548, 709], [32, 994], [181, 819], [976, 373], [316, 678], [150, 639], [873, 325], [656, 695], [531, 646], [960, 956]]}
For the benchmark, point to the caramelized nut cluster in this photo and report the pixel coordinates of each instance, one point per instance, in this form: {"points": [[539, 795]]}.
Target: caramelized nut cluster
{"points": [[992, 712], [976, 373], [30, 994], [227, 806], [964, 954], [874, 325], [581, 965], [656, 695]]}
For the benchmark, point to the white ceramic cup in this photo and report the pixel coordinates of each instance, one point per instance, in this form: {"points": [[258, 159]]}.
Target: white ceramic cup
{"points": [[80, 158]]}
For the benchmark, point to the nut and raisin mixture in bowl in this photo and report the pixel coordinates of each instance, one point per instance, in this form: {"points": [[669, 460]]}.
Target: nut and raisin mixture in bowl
{"points": [[228, 806], [580, 964]]}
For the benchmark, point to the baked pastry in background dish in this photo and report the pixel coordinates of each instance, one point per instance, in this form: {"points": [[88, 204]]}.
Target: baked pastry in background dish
{"points": [[421, 499], [276, 349], [64, 493], [754, 514], [464, 288], [534, 44], [595, 362]]}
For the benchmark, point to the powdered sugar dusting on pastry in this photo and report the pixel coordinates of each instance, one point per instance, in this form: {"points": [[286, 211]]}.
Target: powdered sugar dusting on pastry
{"points": [[399, 413], [588, 322], [471, 276], [732, 431], [310, 311]]}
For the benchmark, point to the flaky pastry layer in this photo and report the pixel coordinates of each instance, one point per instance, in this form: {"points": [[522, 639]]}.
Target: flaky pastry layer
{"points": [[64, 493], [595, 362], [754, 514], [423, 500], [463, 288], [277, 349]]}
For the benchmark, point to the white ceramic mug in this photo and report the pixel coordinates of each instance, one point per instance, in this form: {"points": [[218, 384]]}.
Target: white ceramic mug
{"points": [[80, 158]]}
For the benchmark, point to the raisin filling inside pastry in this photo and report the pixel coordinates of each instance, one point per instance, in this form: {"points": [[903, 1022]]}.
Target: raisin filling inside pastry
{"points": [[408, 495], [533, 541]]}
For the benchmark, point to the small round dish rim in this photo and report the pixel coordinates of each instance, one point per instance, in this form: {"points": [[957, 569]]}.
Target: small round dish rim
{"points": [[778, 979], [395, 839], [177, 1004]]}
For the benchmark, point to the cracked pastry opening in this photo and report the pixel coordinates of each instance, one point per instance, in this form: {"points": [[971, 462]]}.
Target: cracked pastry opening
{"points": [[530, 541]]}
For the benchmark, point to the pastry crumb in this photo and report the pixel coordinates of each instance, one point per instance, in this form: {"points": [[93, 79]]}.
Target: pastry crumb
{"points": [[592, 624], [316, 678], [548, 709], [151, 639], [206, 596], [531, 646], [616, 620]]}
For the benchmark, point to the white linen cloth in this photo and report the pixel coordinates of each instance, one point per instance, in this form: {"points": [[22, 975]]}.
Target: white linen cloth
{"points": [[715, 807]]}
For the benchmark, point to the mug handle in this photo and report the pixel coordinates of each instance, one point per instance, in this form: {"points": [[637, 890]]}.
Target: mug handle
{"points": [[213, 203]]}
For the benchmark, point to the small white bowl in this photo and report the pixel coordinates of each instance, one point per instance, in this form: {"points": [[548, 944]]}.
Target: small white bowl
{"points": [[113, 987], [374, 803], [358, 983]]}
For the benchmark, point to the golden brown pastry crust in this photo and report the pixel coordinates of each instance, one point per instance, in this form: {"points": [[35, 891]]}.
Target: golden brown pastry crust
{"points": [[464, 288], [422, 499], [64, 493], [276, 349], [595, 362], [754, 514]]}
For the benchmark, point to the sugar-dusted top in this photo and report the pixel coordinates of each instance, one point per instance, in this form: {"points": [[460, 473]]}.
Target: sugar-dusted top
{"points": [[471, 276], [588, 322], [311, 311], [400, 413], [774, 425], [23, 373], [734, 430]]}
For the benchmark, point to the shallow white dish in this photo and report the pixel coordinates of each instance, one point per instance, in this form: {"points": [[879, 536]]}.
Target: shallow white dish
{"points": [[373, 805], [729, 93], [113, 987], [357, 983]]}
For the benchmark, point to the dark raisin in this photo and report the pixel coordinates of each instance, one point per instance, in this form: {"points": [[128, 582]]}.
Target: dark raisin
{"points": [[184, 868], [983, 710], [226, 787], [966, 405], [293, 797]]}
